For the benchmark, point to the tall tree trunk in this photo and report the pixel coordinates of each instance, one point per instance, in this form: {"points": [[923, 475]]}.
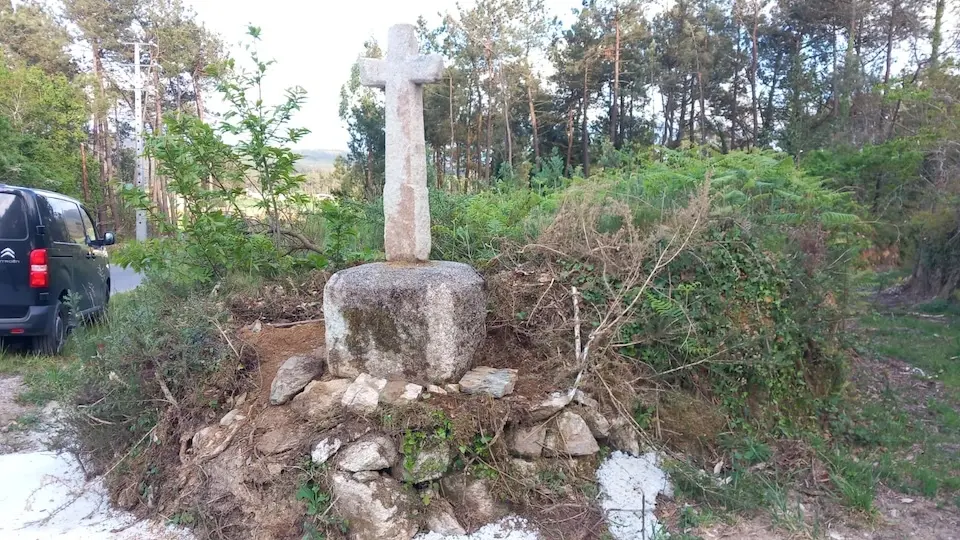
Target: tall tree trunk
{"points": [[682, 120], [703, 111], [888, 66], [584, 119], [533, 118], [488, 166], [615, 116], [83, 172], [936, 34], [692, 132], [197, 95], [506, 118], [767, 118], [754, 53], [570, 113], [453, 133]]}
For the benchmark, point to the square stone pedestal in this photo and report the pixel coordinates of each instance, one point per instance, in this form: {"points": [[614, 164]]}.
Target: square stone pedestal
{"points": [[419, 322]]}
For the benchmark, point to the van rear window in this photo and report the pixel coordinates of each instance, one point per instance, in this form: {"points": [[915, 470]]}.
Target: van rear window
{"points": [[13, 220]]}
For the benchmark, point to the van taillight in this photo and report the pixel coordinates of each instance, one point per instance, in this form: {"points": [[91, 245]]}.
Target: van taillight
{"points": [[39, 271]]}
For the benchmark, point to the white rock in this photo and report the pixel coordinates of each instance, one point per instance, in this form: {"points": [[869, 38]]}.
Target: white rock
{"points": [[581, 398], [430, 463], [366, 476], [418, 322], [523, 470], [436, 390], [371, 381], [527, 441], [400, 393], [452, 388], [256, 327], [375, 507], [233, 416], [508, 528], [441, 519], [321, 399], [325, 449], [370, 453], [628, 495], [573, 436], [599, 425], [623, 437], [551, 406], [293, 376], [487, 380], [361, 397], [473, 493]]}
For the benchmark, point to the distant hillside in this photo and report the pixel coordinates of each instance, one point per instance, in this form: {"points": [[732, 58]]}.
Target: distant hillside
{"points": [[318, 159]]}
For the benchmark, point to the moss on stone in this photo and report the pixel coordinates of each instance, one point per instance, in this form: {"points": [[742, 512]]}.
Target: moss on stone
{"points": [[374, 325]]}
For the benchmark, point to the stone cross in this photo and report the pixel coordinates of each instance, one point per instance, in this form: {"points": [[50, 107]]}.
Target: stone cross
{"points": [[406, 205]]}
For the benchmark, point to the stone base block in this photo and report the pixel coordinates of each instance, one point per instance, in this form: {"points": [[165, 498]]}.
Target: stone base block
{"points": [[416, 322]]}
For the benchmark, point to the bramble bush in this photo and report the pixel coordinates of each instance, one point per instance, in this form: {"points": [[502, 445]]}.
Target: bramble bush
{"points": [[740, 302]]}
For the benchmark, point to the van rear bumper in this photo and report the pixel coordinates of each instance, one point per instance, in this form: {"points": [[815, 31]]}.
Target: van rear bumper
{"points": [[37, 322]]}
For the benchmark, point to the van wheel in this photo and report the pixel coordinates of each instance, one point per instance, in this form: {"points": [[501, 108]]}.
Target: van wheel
{"points": [[52, 344]]}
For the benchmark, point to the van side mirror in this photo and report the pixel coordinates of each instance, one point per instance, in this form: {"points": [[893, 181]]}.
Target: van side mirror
{"points": [[109, 239]]}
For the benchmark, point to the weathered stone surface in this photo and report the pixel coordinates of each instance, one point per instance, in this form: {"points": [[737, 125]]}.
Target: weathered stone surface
{"points": [[233, 416], [582, 398], [430, 463], [400, 393], [366, 476], [487, 380], [440, 519], [623, 437], [452, 388], [419, 323], [281, 439], [363, 394], [325, 449], [376, 508], [371, 453], [550, 406], [436, 390], [573, 437], [293, 376], [599, 425], [527, 441], [406, 205], [474, 496], [321, 399], [524, 471]]}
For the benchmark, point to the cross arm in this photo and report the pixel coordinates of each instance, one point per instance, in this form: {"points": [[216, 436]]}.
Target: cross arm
{"points": [[424, 69], [373, 72]]}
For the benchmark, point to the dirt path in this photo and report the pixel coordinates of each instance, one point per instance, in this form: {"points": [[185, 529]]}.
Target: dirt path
{"points": [[17, 422], [45, 494]]}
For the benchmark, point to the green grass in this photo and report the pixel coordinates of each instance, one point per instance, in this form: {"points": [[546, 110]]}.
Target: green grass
{"points": [[912, 442], [933, 345], [45, 378]]}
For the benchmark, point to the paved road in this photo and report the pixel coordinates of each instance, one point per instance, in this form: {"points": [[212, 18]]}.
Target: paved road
{"points": [[123, 279]]}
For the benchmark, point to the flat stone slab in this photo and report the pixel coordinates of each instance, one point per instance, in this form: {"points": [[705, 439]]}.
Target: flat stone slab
{"points": [[293, 376], [487, 380], [414, 322]]}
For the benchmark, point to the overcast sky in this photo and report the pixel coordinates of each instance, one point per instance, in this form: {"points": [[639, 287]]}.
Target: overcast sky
{"points": [[316, 42]]}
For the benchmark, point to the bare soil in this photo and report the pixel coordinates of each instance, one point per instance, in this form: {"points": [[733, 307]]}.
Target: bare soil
{"points": [[16, 435]]}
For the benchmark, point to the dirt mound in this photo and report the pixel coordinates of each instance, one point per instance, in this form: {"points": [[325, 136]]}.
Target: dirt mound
{"points": [[286, 301]]}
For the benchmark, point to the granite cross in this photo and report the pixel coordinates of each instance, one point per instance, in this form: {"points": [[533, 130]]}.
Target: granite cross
{"points": [[406, 204]]}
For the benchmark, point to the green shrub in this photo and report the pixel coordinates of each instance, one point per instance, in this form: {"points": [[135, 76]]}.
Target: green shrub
{"points": [[159, 344]]}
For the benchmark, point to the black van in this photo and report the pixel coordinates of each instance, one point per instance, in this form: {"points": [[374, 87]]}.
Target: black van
{"points": [[49, 249]]}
